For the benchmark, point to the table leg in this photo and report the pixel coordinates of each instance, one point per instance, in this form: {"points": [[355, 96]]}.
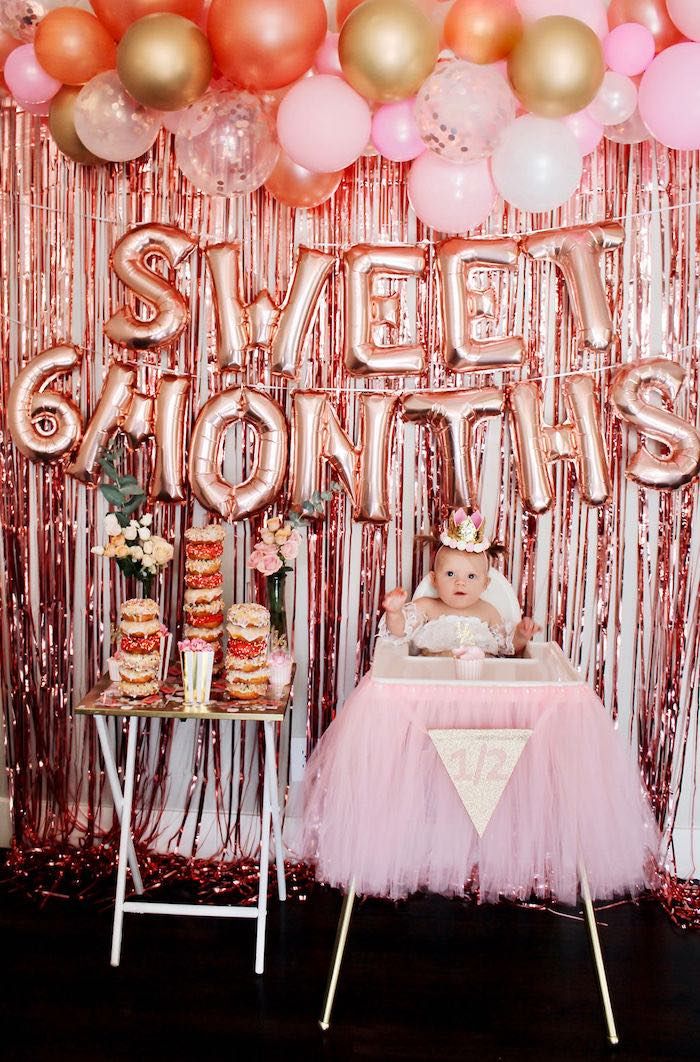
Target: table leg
{"points": [[338, 951], [264, 867], [271, 768], [597, 954], [113, 779], [132, 731]]}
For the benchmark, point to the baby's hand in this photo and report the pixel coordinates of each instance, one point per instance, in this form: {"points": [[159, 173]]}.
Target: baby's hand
{"points": [[395, 600], [525, 630]]}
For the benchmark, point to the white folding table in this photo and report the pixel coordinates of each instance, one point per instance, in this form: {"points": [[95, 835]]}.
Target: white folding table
{"points": [[270, 710]]}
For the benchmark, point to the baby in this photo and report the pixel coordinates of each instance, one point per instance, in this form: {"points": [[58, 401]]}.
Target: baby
{"points": [[458, 614]]}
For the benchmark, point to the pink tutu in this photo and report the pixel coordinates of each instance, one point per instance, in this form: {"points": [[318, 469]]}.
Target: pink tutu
{"points": [[380, 807]]}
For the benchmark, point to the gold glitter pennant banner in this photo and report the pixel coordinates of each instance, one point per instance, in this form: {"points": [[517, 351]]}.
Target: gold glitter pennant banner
{"points": [[480, 764]]}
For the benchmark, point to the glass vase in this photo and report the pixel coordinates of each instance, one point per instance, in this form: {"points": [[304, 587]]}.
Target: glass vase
{"points": [[276, 585]]}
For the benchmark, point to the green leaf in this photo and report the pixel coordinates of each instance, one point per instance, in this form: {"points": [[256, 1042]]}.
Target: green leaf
{"points": [[316, 497], [122, 518], [326, 495], [132, 492], [335, 486], [112, 494], [129, 481], [133, 505], [318, 507], [307, 507], [107, 467]]}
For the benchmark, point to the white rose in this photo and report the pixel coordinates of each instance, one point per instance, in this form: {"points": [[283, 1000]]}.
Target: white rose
{"points": [[146, 520], [144, 534], [98, 551], [148, 561], [148, 548], [112, 526], [130, 533], [136, 552], [162, 550]]}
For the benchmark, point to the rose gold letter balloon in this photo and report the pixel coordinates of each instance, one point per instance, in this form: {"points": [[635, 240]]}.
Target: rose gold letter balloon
{"points": [[538, 445], [577, 252], [168, 479], [129, 260], [110, 413], [44, 425], [311, 270], [366, 311], [463, 305], [317, 436], [138, 423], [630, 391], [258, 411], [453, 417]]}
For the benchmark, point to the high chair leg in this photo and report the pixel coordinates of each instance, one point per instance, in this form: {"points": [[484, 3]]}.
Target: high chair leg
{"points": [[613, 1038], [338, 951]]}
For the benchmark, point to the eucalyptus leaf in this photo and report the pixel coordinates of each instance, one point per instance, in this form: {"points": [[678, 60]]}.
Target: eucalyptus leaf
{"points": [[122, 518], [112, 494], [307, 507], [133, 505]]}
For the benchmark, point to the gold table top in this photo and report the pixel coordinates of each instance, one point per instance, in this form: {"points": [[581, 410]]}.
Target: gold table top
{"points": [[270, 706]]}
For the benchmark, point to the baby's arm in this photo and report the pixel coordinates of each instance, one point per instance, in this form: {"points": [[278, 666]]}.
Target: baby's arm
{"points": [[523, 633], [393, 605]]}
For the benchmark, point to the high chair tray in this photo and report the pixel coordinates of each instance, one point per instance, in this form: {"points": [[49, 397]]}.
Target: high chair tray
{"points": [[543, 664]]}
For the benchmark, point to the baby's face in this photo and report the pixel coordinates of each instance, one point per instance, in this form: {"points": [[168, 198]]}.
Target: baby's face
{"points": [[460, 578]]}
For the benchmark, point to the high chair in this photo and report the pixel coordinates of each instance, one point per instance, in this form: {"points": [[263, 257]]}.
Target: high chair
{"points": [[547, 656]]}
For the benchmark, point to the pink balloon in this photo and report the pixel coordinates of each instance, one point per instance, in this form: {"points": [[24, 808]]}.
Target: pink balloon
{"points": [[39, 109], [686, 15], [587, 131], [327, 60], [592, 12], [395, 133], [669, 96], [26, 79], [629, 48], [449, 197], [323, 124]]}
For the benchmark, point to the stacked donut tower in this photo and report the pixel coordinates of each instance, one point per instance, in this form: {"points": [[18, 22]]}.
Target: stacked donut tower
{"points": [[248, 628], [204, 604], [139, 651]]}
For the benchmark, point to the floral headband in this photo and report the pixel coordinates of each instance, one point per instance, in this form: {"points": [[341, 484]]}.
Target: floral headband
{"points": [[465, 532]]}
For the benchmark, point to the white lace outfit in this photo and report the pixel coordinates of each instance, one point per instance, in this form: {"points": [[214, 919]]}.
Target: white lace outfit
{"points": [[441, 635]]}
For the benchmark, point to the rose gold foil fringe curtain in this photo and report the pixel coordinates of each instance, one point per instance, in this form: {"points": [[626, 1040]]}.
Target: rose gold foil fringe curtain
{"points": [[618, 587]]}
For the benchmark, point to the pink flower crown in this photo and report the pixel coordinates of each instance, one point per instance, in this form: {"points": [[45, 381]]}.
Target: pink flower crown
{"points": [[465, 532]]}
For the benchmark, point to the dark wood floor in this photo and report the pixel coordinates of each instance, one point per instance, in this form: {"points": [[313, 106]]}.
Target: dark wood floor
{"points": [[428, 979]]}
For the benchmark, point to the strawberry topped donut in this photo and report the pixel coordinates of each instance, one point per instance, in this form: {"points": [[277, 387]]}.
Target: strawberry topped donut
{"points": [[139, 651], [248, 629], [204, 604]]}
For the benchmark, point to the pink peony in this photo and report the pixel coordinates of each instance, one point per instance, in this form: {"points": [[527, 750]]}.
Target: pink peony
{"points": [[289, 549], [269, 565]]}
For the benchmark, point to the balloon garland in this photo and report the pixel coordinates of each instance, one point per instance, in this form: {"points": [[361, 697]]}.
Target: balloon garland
{"points": [[482, 97]]}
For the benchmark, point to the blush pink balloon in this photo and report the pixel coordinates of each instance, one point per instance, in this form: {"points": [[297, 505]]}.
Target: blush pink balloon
{"points": [[41, 110], [448, 197], [669, 96], [685, 14], [587, 131], [592, 12], [323, 124], [26, 79], [395, 133], [629, 48], [327, 60]]}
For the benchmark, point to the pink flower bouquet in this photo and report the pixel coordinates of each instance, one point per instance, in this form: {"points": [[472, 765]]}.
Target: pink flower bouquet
{"points": [[278, 544]]}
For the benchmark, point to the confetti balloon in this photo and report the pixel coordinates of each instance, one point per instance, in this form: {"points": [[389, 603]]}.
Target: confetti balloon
{"points": [[462, 109], [20, 18], [226, 143], [110, 123]]}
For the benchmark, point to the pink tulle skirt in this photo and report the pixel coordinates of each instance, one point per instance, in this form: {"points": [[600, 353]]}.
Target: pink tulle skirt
{"points": [[380, 807]]}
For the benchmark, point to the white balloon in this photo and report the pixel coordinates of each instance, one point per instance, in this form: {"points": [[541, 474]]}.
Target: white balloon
{"points": [[616, 100], [537, 165]]}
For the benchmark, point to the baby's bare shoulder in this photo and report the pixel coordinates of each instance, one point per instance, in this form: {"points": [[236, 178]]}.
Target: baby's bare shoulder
{"points": [[489, 614], [429, 606]]}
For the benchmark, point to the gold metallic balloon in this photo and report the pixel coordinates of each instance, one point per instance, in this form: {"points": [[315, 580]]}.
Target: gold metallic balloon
{"points": [[165, 62], [387, 49], [62, 126], [557, 66]]}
